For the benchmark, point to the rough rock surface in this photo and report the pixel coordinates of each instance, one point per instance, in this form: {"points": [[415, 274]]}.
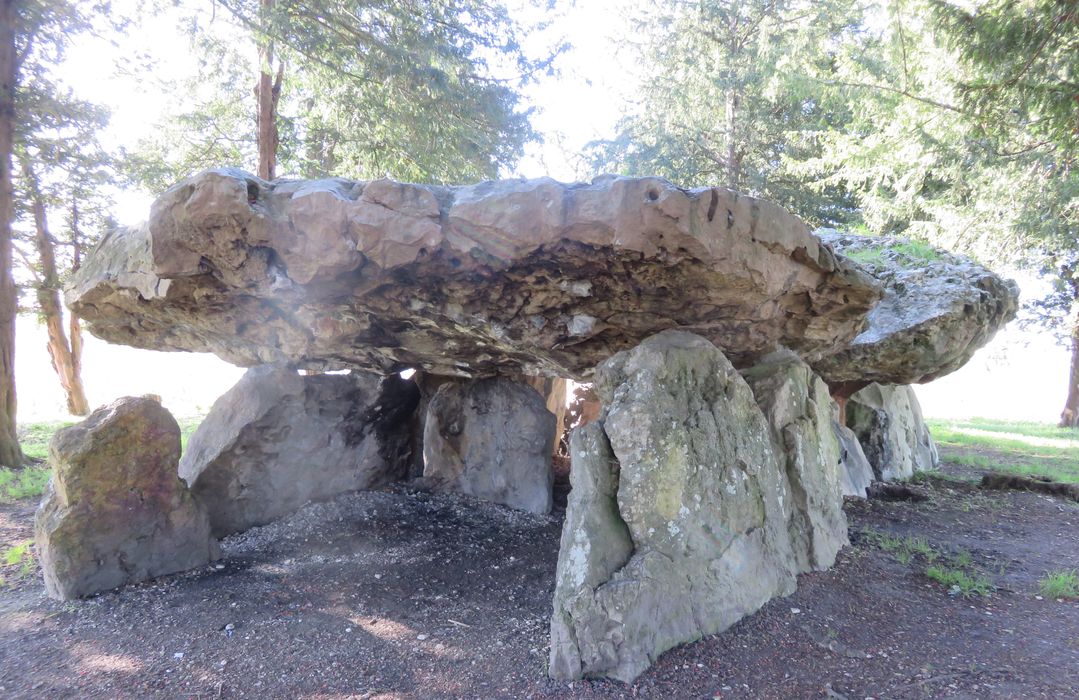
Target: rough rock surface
{"points": [[277, 440], [798, 408], [937, 310], [114, 511], [855, 471], [491, 438], [889, 425], [684, 458], [508, 277]]}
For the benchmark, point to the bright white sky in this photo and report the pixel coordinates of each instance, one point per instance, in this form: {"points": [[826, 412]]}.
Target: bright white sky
{"points": [[1019, 376]]}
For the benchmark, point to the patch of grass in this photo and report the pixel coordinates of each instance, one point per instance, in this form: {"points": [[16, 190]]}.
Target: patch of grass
{"points": [[949, 570], [1060, 584], [17, 561], [912, 251], [968, 584], [27, 482], [1021, 448], [34, 438]]}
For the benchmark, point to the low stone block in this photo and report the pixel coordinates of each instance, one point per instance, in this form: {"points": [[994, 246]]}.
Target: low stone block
{"points": [[115, 511], [889, 425], [278, 440], [491, 439]]}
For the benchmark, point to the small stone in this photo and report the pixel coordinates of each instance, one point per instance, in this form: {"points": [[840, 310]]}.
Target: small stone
{"points": [[178, 655], [795, 611], [421, 637]]}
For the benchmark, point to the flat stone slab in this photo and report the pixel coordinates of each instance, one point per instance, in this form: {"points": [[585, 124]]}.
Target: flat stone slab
{"points": [[938, 309], [507, 277]]}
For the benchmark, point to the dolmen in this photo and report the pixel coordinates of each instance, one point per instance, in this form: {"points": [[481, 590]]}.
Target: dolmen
{"points": [[750, 373]]}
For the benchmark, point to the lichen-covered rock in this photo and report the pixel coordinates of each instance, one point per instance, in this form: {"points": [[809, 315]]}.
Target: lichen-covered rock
{"points": [[491, 438], [889, 425], [595, 544], [115, 511], [855, 471], [938, 309], [278, 440], [798, 408], [701, 494], [512, 277]]}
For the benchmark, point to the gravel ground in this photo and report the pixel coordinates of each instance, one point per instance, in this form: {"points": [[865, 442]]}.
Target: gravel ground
{"points": [[407, 594]]}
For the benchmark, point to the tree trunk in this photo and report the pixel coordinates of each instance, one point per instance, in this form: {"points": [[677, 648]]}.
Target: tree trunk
{"points": [[734, 159], [48, 299], [10, 452], [268, 92], [1069, 417]]}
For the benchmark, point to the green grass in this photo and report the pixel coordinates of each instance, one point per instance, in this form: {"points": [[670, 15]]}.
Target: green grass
{"points": [[17, 561], [1060, 584], [28, 482], [1025, 449], [949, 569], [34, 438], [910, 251], [968, 584]]}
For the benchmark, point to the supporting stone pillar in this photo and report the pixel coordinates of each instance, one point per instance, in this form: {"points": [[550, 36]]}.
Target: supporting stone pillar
{"points": [[114, 511], [555, 391], [889, 425], [491, 438], [278, 440]]}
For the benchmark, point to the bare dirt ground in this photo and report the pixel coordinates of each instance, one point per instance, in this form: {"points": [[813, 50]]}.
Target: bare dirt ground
{"points": [[404, 594]]}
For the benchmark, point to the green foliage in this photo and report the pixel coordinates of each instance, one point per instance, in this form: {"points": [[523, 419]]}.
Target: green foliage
{"points": [[730, 99], [34, 438], [1025, 449], [1060, 584], [423, 92]]}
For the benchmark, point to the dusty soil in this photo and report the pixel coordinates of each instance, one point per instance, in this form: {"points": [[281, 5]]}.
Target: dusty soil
{"points": [[404, 594]]}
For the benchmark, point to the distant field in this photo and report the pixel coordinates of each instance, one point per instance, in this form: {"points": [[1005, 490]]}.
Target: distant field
{"points": [[1029, 449]]}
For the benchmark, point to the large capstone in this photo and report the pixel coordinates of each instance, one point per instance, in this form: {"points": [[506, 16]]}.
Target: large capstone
{"points": [[491, 438], [115, 512], [679, 521], [937, 310], [798, 407], [889, 425], [513, 277], [278, 440]]}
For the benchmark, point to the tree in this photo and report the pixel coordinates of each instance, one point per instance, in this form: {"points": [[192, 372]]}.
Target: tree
{"points": [[62, 169], [729, 99], [395, 88], [33, 35], [10, 452], [1023, 91]]}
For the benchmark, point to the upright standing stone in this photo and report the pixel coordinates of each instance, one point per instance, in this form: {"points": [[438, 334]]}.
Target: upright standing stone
{"points": [[798, 408], [278, 440], [114, 511], [889, 425], [701, 495], [855, 471], [491, 439]]}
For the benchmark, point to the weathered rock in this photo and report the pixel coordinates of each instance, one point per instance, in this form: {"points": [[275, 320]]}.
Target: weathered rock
{"points": [[509, 277], [798, 408], [278, 440], [889, 425], [855, 471], [686, 455], [114, 511], [491, 438], [554, 391], [937, 310]]}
